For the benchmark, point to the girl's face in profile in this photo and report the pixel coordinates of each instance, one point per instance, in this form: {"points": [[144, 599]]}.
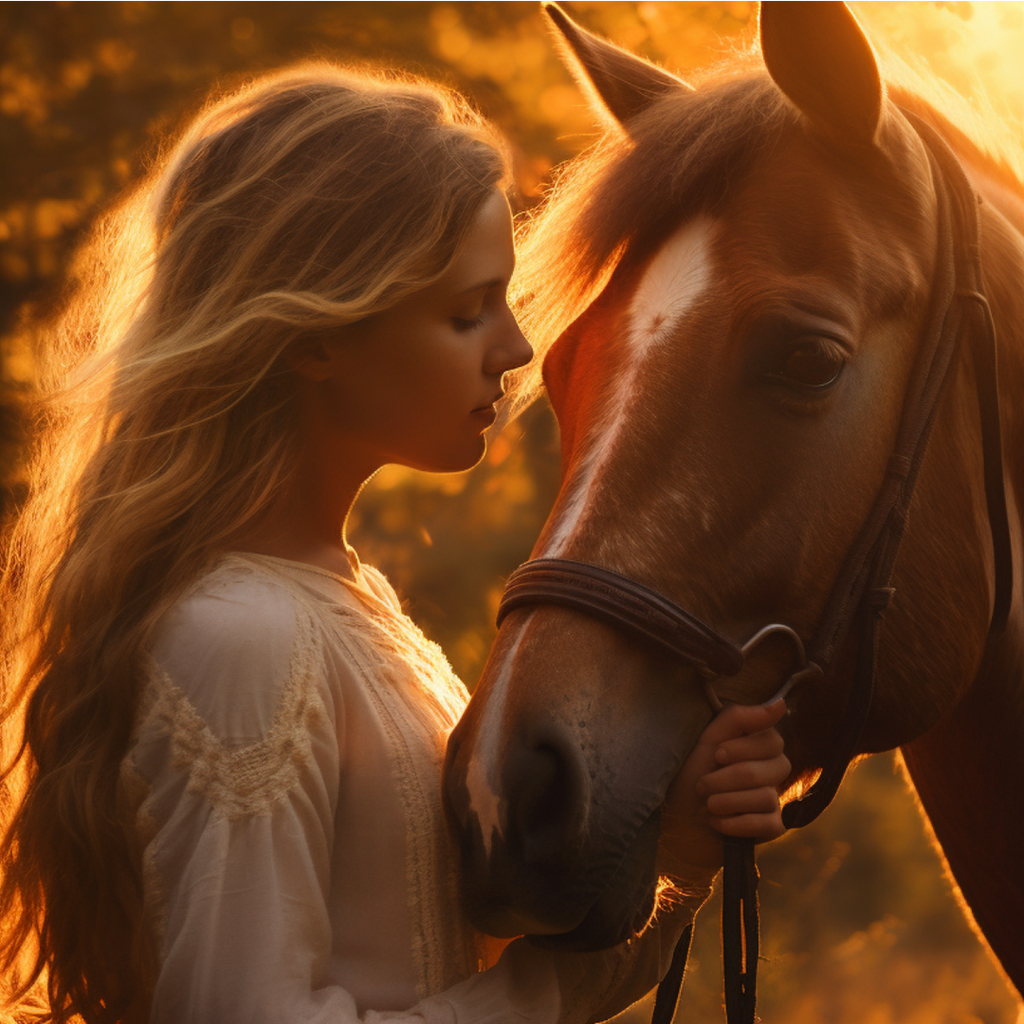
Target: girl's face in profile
{"points": [[416, 384]]}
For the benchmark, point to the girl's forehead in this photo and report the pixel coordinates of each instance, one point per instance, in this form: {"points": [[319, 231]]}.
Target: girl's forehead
{"points": [[487, 253], [485, 260]]}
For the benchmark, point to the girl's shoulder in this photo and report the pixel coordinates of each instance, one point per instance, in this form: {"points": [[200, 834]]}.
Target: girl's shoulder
{"points": [[231, 605], [231, 612], [235, 700], [232, 646]]}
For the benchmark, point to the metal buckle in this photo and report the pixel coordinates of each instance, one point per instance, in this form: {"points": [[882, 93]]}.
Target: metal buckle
{"points": [[805, 669]]}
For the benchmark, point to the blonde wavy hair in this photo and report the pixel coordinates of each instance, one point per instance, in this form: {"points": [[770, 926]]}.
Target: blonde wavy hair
{"points": [[309, 199]]}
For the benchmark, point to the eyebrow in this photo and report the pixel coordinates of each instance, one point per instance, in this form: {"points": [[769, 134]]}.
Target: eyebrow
{"points": [[495, 282]]}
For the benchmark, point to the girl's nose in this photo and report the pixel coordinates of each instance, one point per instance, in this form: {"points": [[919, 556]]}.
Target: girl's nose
{"points": [[512, 350]]}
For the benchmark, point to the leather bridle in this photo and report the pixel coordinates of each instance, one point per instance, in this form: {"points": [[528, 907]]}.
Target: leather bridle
{"points": [[862, 591]]}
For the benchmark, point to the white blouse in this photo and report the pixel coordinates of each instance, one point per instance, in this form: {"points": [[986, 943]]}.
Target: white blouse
{"points": [[284, 781]]}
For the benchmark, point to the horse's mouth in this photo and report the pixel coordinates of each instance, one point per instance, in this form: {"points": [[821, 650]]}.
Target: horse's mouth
{"points": [[624, 906], [565, 909]]}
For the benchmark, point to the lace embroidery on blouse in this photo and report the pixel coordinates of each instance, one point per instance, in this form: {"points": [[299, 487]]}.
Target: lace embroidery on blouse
{"points": [[418, 700], [413, 690], [244, 781], [432, 885]]}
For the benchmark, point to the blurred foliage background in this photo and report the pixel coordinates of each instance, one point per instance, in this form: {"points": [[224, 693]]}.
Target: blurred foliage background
{"points": [[859, 923]]}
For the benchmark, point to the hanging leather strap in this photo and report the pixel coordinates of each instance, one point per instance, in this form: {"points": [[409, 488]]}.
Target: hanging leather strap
{"points": [[863, 589], [740, 937], [668, 991]]}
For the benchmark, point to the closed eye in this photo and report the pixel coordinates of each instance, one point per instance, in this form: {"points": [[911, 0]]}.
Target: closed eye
{"points": [[466, 324]]}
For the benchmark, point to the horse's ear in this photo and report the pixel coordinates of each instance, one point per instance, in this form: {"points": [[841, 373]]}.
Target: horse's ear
{"points": [[820, 58], [619, 82]]}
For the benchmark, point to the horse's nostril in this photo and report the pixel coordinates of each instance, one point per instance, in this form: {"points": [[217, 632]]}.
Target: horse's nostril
{"points": [[544, 786], [541, 795]]}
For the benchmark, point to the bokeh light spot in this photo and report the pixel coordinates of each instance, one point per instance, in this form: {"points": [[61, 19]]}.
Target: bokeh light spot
{"points": [[115, 56], [242, 29]]}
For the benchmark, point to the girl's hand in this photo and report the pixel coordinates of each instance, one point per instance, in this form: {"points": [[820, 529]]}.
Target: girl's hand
{"points": [[729, 784]]}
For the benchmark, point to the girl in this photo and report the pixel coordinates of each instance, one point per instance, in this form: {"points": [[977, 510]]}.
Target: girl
{"points": [[225, 805]]}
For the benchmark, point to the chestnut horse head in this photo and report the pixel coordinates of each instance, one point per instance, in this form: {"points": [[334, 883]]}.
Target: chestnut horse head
{"points": [[728, 404]]}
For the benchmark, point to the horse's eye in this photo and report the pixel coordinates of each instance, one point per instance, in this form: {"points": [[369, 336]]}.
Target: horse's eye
{"points": [[813, 364]]}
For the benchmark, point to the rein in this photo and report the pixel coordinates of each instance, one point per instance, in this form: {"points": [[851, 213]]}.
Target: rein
{"points": [[863, 588]]}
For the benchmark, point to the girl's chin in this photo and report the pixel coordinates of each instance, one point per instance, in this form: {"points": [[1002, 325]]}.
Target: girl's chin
{"points": [[471, 459], [457, 459]]}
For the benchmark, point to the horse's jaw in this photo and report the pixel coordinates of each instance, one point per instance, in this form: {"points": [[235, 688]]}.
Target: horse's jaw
{"points": [[558, 906]]}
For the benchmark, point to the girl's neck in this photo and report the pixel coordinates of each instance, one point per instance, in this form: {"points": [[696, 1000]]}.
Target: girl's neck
{"points": [[308, 521], [335, 558]]}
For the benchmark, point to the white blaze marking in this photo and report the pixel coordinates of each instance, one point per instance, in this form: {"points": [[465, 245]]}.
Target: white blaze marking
{"points": [[484, 802], [670, 287]]}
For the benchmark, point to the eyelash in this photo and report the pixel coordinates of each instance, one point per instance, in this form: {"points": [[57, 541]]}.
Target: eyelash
{"points": [[462, 324]]}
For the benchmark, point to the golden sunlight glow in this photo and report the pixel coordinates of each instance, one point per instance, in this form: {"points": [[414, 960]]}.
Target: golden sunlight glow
{"points": [[967, 50], [972, 48], [859, 923], [976, 47]]}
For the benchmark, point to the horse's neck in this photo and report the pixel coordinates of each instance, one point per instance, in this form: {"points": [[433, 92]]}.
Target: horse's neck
{"points": [[1001, 194], [1002, 246], [969, 775], [969, 768]]}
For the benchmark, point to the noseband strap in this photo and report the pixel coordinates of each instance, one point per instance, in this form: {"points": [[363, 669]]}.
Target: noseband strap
{"points": [[620, 601], [862, 591]]}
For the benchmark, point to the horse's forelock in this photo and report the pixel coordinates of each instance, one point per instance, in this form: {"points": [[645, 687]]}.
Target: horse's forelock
{"points": [[688, 149], [625, 197]]}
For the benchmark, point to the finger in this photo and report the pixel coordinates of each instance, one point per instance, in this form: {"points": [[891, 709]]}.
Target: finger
{"points": [[745, 775], [757, 746], [750, 826], [748, 801], [743, 719]]}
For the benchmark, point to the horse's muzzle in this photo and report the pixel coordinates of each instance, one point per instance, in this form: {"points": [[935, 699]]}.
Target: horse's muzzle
{"points": [[534, 860]]}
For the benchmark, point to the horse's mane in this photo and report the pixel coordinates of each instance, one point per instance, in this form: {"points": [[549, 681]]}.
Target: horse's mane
{"points": [[678, 159]]}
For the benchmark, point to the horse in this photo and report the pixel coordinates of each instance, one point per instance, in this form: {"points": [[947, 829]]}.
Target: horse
{"points": [[760, 254]]}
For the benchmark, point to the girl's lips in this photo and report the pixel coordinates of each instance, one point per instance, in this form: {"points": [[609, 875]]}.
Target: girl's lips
{"points": [[488, 411]]}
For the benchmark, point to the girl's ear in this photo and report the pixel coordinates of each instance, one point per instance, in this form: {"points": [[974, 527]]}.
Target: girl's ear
{"points": [[818, 56], [618, 83], [316, 357]]}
